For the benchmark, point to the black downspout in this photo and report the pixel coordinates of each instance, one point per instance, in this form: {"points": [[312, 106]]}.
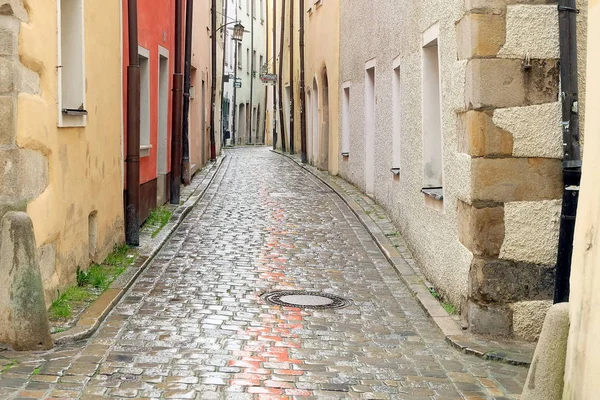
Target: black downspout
{"points": [[303, 155], [223, 129], [177, 119], [281, 41], [274, 72], [567, 16], [189, 18], [132, 215], [292, 110], [213, 86], [252, 66]]}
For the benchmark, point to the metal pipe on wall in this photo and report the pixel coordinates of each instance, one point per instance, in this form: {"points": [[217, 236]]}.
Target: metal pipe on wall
{"points": [[213, 87], [292, 111], [223, 78], [185, 139], [177, 119], [303, 154], [274, 71], [132, 215], [567, 16], [283, 146], [252, 67]]}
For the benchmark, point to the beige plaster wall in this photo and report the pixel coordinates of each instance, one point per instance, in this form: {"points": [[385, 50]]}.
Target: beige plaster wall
{"points": [[84, 164], [388, 31], [201, 61], [384, 31], [583, 364], [322, 26]]}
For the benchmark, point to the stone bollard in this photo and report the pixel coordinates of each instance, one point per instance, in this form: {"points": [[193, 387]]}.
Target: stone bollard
{"points": [[23, 316], [545, 379]]}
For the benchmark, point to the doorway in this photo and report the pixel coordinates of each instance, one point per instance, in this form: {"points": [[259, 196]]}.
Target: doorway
{"points": [[324, 145]]}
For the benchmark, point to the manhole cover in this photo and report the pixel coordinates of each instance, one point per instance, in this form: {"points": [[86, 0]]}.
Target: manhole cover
{"points": [[314, 300]]}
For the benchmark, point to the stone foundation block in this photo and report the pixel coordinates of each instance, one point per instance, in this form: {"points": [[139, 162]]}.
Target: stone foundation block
{"points": [[516, 179], [504, 282], [489, 320], [23, 317], [23, 173], [528, 318], [481, 230], [8, 75], [8, 126], [545, 379], [480, 35], [480, 137], [9, 36], [499, 83]]}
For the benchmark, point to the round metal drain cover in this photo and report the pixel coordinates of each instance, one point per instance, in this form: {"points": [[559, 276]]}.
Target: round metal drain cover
{"points": [[301, 299]]}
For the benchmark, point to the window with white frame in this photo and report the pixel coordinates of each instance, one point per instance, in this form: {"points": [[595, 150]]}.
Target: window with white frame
{"points": [[248, 67], [432, 117], [71, 64], [396, 113], [346, 120], [239, 55], [144, 60]]}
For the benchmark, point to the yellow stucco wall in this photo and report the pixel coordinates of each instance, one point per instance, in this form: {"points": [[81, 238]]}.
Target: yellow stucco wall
{"points": [[84, 163], [583, 363], [323, 52]]}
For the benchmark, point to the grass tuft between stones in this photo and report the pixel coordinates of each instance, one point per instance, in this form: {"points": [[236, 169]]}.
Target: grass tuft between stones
{"points": [[449, 307], [91, 283], [158, 219]]}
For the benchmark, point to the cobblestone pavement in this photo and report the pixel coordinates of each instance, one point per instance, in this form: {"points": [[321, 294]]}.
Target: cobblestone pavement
{"points": [[194, 327]]}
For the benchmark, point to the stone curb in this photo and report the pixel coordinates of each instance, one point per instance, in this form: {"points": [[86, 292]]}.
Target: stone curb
{"points": [[95, 314], [453, 333]]}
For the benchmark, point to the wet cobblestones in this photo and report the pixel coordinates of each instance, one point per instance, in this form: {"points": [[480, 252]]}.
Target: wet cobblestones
{"points": [[194, 326]]}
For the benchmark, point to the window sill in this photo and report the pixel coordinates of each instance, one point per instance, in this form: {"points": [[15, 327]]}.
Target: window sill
{"points": [[345, 154], [145, 150], [395, 171], [436, 193]]}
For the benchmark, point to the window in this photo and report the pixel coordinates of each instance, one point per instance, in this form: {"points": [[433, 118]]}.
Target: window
{"points": [[248, 7], [254, 67], [248, 67], [432, 117], [144, 60], [262, 12], [228, 50], [260, 66], [71, 64], [346, 120], [254, 9], [239, 55], [370, 128], [396, 121]]}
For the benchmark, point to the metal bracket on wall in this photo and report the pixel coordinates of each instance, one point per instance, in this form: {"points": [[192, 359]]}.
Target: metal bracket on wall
{"points": [[569, 9]]}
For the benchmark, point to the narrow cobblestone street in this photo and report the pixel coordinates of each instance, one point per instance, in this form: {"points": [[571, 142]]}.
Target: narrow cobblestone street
{"points": [[194, 326]]}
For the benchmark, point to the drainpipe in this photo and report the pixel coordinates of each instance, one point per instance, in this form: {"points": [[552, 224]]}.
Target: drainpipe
{"points": [[223, 79], [567, 15], [274, 71], [213, 87], [132, 216], [177, 119], [189, 18], [302, 89], [292, 111], [252, 66], [283, 146], [235, 71]]}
